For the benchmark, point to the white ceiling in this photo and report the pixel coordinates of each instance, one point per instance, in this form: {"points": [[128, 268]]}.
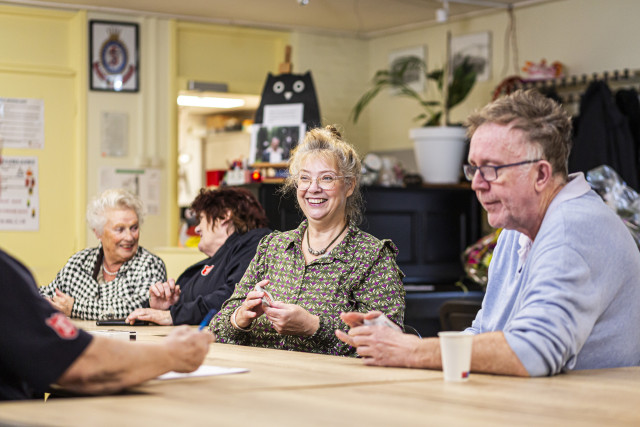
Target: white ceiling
{"points": [[365, 18]]}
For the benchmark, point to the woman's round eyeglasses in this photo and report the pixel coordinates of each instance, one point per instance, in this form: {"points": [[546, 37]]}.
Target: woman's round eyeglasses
{"points": [[490, 173], [326, 182]]}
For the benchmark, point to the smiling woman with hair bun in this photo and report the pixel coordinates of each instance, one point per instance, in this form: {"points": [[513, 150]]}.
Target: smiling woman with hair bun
{"points": [[300, 280]]}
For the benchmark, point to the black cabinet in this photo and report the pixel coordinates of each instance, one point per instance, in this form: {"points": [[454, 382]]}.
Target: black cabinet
{"points": [[431, 226]]}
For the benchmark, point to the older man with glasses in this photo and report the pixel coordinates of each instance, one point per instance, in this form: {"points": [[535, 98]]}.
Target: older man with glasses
{"points": [[563, 281]]}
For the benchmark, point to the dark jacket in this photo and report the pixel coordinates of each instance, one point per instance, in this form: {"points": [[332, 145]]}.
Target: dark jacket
{"points": [[603, 136], [203, 290]]}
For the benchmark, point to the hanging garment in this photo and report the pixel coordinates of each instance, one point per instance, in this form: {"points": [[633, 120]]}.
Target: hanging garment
{"points": [[629, 105], [603, 136]]}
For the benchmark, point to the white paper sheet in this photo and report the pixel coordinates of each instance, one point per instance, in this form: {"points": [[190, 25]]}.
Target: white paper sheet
{"points": [[203, 371]]}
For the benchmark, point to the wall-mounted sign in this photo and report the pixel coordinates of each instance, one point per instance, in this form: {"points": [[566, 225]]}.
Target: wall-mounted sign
{"points": [[19, 200], [113, 52], [22, 123]]}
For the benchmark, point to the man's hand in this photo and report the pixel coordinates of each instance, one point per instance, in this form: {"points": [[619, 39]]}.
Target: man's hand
{"points": [[187, 348], [379, 344], [62, 302], [163, 295], [160, 317], [291, 319]]}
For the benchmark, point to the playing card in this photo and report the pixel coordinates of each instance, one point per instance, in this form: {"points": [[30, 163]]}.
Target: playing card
{"points": [[267, 299], [381, 320]]}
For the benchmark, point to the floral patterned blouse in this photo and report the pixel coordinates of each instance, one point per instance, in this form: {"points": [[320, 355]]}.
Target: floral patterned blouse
{"points": [[359, 274]]}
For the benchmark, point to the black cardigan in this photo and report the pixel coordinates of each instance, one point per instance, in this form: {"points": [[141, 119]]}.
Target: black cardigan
{"points": [[201, 292]]}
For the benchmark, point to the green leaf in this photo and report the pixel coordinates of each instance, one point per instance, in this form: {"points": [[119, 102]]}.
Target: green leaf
{"points": [[462, 82]]}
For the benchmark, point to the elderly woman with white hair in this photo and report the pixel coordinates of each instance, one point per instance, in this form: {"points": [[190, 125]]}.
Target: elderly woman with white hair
{"points": [[112, 279]]}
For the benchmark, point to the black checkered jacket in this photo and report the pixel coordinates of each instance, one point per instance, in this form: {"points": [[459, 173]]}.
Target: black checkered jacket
{"points": [[115, 299]]}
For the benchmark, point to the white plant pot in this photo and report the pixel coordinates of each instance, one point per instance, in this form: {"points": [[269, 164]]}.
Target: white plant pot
{"points": [[439, 153]]}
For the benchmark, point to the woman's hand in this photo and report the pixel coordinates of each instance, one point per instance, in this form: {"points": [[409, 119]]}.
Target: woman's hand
{"points": [[163, 295], [251, 307], [291, 319], [62, 302], [160, 317]]}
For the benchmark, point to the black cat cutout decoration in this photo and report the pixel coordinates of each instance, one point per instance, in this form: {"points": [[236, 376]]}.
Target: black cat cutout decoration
{"points": [[291, 89]]}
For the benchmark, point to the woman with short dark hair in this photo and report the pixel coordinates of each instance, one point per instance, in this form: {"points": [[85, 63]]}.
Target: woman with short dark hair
{"points": [[232, 222]]}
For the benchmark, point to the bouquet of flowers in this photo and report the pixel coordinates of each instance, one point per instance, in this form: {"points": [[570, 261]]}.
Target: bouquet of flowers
{"points": [[476, 258]]}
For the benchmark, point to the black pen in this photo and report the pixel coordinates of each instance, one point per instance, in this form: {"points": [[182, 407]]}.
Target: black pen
{"points": [[207, 319]]}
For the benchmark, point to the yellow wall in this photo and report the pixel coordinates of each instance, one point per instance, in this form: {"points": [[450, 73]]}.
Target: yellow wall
{"points": [[150, 131], [40, 56], [338, 65], [586, 35], [240, 57], [43, 54]]}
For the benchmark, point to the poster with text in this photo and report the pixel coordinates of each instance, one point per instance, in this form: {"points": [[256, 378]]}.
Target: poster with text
{"points": [[19, 201], [22, 123], [144, 183]]}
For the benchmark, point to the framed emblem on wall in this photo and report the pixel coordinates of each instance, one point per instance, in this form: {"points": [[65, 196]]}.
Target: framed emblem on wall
{"points": [[113, 56]]}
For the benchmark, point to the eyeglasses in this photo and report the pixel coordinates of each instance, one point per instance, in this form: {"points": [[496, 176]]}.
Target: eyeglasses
{"points": [[490, 173], [326, 181]]}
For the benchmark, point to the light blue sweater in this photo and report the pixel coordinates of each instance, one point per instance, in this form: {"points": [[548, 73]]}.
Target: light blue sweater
{"points": [[575, 301]]}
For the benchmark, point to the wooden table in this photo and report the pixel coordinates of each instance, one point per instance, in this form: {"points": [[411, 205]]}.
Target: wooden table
{"points": [[291, 388]]}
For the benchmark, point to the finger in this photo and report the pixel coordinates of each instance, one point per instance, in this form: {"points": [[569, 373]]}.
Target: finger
{"points": [[133, 316], [166, 290], [263, 283], [172, 284], [360, 331], [278, 305], [344, 337], [253, 295], [372, 314], [352, 318], [252, 304], [155, 288]]}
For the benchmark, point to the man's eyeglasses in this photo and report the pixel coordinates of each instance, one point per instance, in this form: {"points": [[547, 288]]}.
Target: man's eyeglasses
{"points": [[326, 182], [490, 173]]}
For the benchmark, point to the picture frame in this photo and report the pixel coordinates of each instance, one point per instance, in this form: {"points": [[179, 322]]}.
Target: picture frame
{"points": [[271, 145], [113, 56], [478, 47], [415, 80]]}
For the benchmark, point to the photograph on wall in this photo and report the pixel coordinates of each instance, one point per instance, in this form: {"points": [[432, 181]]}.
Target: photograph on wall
{"points": [[273, 144], [414, 78], [20, 202], [113, 56], [477, 46]]}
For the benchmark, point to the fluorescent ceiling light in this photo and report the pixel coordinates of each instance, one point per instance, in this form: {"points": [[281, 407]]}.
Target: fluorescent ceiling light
{"points": [[209, 101]]}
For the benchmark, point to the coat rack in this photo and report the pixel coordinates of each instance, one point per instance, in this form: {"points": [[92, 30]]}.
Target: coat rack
{"points": [[569, 89]]}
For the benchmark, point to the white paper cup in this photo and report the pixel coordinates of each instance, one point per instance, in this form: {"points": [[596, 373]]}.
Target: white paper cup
{"points": [[455, 348]]}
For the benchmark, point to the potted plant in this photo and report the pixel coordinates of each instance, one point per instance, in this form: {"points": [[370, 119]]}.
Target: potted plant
{"points": [[439, 146]]}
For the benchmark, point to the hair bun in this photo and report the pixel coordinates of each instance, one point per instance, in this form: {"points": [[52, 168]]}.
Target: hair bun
{"points": [[334, 131]]}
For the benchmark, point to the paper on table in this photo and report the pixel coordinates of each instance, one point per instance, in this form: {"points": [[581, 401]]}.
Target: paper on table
{"points": [[202, 371]]}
